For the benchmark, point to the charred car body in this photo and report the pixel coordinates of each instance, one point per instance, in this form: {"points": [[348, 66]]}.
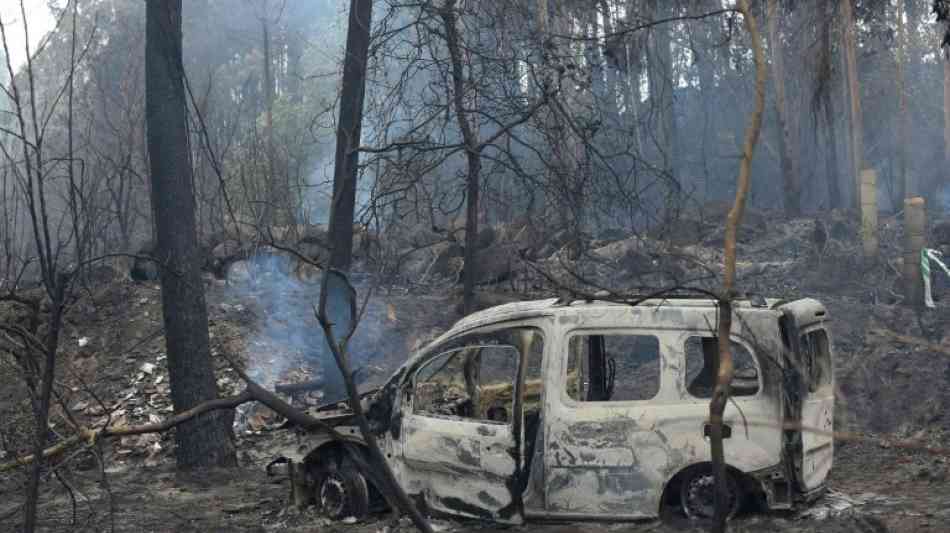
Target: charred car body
{"points": [[595, 410]]}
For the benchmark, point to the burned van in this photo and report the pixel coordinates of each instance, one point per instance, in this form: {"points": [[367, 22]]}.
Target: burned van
{"points": [[594, 410]]}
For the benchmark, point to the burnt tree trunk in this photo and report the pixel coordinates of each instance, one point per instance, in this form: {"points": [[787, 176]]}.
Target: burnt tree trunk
{"points": [[346, 164], [849, 45], [826, 104], [946, 123], [902, 186], [472, 153], [275, 192], [705, 57], [661, 84], [205, 440], [790, 181]]}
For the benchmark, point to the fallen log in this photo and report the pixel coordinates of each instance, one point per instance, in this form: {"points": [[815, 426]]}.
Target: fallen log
{"points": [[294, 388]]}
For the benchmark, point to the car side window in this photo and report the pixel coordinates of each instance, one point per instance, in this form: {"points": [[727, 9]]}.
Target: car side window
{"points": [[701, 355], [613, 367], [440, 385], [473, 376], [816, 359]]}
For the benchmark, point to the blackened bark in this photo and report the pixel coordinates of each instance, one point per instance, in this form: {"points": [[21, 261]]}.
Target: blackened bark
{"points": [[706, 57], [849, 44], [276, 192], [790, 181], [661, 85], [345, 165], [206, 439], [472, 153]]}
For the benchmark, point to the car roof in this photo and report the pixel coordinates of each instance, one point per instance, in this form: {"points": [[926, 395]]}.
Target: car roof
{"points": [[554, 307]]}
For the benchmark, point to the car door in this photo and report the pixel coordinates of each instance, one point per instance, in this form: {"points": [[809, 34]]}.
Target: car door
{"points": [[817, 415], [463, 429], [812, 400], [605, 455]]}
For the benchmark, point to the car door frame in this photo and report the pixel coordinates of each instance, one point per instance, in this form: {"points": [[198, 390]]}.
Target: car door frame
{"points": [[809, 432], [467, 482]]}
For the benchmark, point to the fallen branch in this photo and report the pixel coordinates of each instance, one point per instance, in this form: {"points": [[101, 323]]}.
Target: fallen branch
{"points": [[253, 392]]}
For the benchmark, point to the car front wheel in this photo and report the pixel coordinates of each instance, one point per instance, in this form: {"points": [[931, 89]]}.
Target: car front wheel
{"points": [[342, 491]]}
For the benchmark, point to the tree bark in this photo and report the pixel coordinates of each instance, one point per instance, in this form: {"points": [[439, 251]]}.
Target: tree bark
{"points": [[854, 96], [946, 130], [661, 86], [707, 86], [904, 188], [826, 101], [206, 440], [790, 181], [472, 153], [633, 68], [275, 192], [346, 164], [725, 368], [831, 155]]}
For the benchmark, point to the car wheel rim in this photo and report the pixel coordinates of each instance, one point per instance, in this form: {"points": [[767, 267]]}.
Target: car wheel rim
{"points": [[700, 497], [333, 495]]}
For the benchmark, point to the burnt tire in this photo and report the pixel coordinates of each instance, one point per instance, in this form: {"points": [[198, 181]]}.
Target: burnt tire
{"points": [[697, 494], [342, 491]]}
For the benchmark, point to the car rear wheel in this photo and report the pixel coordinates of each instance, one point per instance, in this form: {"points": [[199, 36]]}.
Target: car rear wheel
{"points": [[697, 495], [342, 491]]}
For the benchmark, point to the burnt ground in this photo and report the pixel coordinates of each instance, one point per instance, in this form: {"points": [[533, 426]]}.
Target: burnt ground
{"points": [[892, 373], [875, 490]]}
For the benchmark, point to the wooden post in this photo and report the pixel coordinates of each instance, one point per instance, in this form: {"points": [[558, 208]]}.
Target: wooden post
{"points": [[915, 223], [869, 211]]}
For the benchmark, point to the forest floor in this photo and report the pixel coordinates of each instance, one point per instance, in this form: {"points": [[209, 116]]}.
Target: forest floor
{"points": [[892, 372]]}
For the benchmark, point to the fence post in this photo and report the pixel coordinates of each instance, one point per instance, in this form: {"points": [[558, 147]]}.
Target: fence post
{"points": [[915, 223], [869, 211]]}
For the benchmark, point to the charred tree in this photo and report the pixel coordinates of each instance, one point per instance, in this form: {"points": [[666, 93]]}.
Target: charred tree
{"points": [[790, 181], [346, 164], [823, 107], [205, 440], [472, 152], [705, 57], [903, 187], [849, 46], [661, 84], [946, 122], [276, 195]]}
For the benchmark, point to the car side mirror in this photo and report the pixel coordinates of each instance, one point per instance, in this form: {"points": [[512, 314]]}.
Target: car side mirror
{"points": [[338, 304]]}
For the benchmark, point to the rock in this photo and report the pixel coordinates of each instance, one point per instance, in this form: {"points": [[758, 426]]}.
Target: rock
{"points": [[308, 273], [486, 237], [444, 262], [226, 250], [494, 264], [238, 271], [627, 255], [143, 268], [100, 274], [313, 250]]}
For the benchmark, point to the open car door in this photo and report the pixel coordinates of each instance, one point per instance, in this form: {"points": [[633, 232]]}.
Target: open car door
{"points": [[463, 431], [810, 397]]}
